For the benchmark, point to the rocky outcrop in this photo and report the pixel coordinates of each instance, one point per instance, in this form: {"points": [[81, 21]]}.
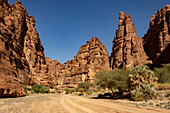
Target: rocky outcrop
{"points": [[158, 36], [54, 67], [164, 58], [22, 57], [127, 50], [90, 58]]}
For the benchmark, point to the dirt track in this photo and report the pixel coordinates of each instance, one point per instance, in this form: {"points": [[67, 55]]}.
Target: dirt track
{"points": [[55, 103]]}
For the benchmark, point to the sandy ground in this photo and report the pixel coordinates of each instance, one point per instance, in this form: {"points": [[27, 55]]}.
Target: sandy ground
{"points": [[59, 103]]}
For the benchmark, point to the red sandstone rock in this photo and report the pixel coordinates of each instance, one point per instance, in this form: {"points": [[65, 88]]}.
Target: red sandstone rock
{"points": [[22, 55], [127, 50], [158, 35], [54, 67], [164, 58], [90, 58], [21, 52]]}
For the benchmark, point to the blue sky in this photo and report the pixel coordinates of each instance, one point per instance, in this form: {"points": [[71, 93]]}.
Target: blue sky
{"points": [[65, 25]]}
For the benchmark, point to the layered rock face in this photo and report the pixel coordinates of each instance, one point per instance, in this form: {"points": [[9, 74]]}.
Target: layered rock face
{"points": [[90, 58], [54, 68], [164, 58], [127, 50], [158, 36], [21, 52]]}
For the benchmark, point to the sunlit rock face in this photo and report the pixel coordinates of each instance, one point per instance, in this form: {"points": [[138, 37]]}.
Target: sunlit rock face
{"points": [[54, 67], [90, 58], [22, 59], [127, 50], [21, 52], [157, 38]]}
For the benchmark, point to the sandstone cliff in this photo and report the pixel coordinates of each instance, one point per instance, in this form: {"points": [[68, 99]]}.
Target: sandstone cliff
{"points": [[90, 58], [158, 36], [164, 58], [22, 59], [21, 52], [54, 68], [127, 50]]}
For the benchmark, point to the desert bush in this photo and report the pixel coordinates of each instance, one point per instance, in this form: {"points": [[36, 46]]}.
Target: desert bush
{"points": [[139, 94], [84, 86], [163, 73], [26, 89], [115, 79], [168, 94], [58, 91], [38, 89], [79, 93], [46, 89], [88, 93], [120, 80], [80, 89], [69, 90], [142, 83], [104, 80]]}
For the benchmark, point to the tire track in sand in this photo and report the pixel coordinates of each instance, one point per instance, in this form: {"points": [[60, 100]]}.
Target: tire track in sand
{"points": [[73, 107], [116, 107]]}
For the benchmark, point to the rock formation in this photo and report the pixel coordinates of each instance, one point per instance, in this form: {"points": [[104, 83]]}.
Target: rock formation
{"points": [[21, 52], [158, 36], [127, 50], [90, 58], [22, 59], [54, 67], [164, 58]]}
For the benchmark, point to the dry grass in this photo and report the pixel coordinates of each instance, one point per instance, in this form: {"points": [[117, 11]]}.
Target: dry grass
{"points": [[163, 86]]}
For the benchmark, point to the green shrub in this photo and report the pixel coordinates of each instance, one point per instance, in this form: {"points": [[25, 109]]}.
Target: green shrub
{"points": [[26, 89], [56, 88], [80, 89], [143, 93], [88, 93], [84, 86], [168, 94], [142, 83], [163, 73], [46, 89], [120, 80], [58, 91], [38, 89], [115, 79], [69, 90]]}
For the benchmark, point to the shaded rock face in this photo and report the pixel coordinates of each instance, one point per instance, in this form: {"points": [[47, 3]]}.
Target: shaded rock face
{"points": [[21, 52], [90, 58], [164, 58], [127, 50], [157, 38]]}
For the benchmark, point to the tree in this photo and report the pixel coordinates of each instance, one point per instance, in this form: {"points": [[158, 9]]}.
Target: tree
{"points": [[115, 79], [120, 79], [85, 85], [163, 73]]}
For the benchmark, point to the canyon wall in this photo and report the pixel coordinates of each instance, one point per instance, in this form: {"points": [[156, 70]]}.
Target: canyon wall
{"points": [[157, 38], [127, 50], [22, 59], [90, 58]]}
